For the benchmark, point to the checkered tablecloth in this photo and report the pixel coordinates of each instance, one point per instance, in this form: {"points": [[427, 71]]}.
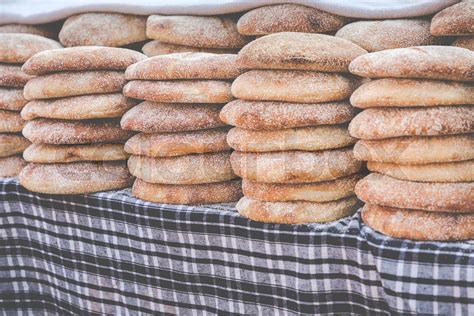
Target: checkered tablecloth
{"points": [[109, 253]]}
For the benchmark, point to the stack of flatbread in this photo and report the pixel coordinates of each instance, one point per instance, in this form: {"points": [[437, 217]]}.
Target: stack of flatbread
{"points": [[181, 155], [15, 49], [183, 33], [456, 20], [417, 135], [293, 149], [74, 109]]}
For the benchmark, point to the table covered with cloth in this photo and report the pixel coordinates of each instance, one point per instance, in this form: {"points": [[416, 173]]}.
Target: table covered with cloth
{"points": [[109, 253]]}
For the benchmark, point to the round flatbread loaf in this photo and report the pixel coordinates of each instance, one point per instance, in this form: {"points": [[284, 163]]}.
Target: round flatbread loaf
{"points": [[11, 166], [419, 225], [293, 86], [76, 177], [302, 138], [41, 30], [10, 122], [294, 166], [378, 123], [12, 76], [66, 84], [185, 66], [416, 150], [454, 20], [60, 132], [424, 62], [465, 42], [459, 171], [79, 107], [188, 169], [178, 144], [262, 115], [197, 31], [288, 18], [180, 91], [81, 59], [412, 92], [204, 193], [102, 29], [16, 48], [388, 34], [296, 212], [12, 144], [301, 51], [312, 192], [151, 117], [438, 197], [42, 153], [155, 48], [12, 99]]}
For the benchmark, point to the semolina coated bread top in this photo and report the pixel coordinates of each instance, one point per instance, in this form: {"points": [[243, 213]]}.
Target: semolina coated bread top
{"points": [[17, 48]]}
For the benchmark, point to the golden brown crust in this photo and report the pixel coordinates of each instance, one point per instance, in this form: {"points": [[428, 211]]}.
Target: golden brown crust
{"points": [[412, 92], [459, 171], [185, 66], [151, 117], [76, 177], [180, 91], [81, 59], [312, 192], [61, 132], [188, 169], [267, 115], [10, 122], [379, 123], [178, 144], [430, 196], [294, 166], [41, 30], [424, 62], [66, 84], [296, 212], [388, 34], [457, 19], [42, 153], [102, 29], [11, 166], [12, 99], [416, 150], [293, 86], [12, 76], [464, 42], [302, 138], [301, 51], [288, 18], [108, 105], [197, 31], [419, 225], [155, 48], [16, 48], [12, 144], [204, 193]]}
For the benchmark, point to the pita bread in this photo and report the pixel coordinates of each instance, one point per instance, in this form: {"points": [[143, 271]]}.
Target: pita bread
{"points": [[93, 106], [76, 177], [424, 62], [197, 31], [377, 123], [293, 86], [178, 144], [16, 48], [12, 76], [204, 193], [151, 117], [11, 166], [454, 20], [465, 42], [12, 99], [264, 115], [102, 29], [155, 48], [10, 122], [12, 144], [81, 59]]}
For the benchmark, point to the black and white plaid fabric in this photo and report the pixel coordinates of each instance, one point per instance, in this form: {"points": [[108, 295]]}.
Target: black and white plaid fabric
{"points": [[109, 253]]}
